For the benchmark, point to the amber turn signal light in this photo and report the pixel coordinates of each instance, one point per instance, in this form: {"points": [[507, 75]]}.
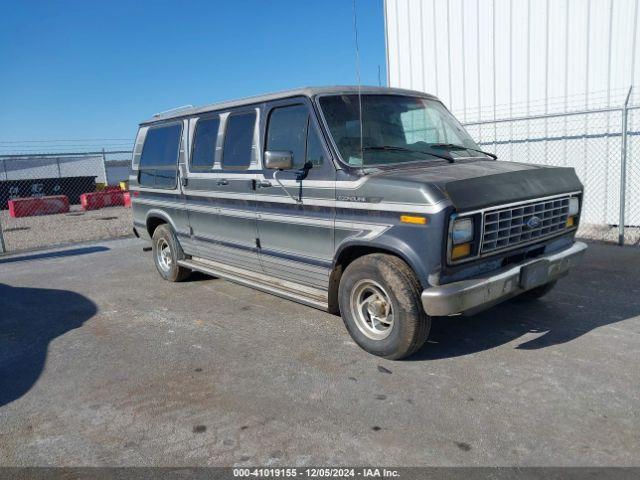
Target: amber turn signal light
{"points": [[570, 222], [413, 219], [460, 251]]}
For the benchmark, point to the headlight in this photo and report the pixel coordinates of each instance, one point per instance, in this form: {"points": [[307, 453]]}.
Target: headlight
{"points": [[462, 231], [574, 206]]}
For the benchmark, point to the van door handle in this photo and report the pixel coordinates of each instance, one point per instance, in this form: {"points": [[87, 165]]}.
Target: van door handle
{"points": [[263, 184], [222, 181]]}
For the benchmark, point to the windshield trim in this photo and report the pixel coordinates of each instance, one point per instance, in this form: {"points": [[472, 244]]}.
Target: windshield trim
{"points": [[341, 163]]}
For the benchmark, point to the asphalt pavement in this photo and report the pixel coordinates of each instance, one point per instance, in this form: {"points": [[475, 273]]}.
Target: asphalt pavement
{"points": [[104, 363]]}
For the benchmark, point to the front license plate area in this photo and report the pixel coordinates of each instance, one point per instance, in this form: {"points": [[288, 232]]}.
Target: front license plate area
{"points": [[534, 274]]}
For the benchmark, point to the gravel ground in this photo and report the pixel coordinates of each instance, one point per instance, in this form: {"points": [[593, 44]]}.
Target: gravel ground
{"points": [[28, 233]]}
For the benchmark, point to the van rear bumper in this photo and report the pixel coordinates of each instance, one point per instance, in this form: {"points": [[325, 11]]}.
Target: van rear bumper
{"points": [[469, 296]]}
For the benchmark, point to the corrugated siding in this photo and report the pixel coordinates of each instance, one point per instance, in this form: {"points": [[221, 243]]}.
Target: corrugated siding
{"points": [[514, 56], [51, 167], [500, 59]]}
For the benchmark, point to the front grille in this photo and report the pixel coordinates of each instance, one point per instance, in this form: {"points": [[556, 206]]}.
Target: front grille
{"points": [[513, 226]]}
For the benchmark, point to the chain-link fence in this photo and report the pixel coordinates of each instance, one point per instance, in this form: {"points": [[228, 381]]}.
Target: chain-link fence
{"points": [[49, 199], [590, 141], [632, 180], [54, 198]]}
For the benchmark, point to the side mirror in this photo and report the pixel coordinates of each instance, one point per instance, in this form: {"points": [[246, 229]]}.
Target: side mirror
{"points": [[278, 159]]}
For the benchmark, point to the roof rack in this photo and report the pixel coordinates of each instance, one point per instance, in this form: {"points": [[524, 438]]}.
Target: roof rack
{"points": [[176, 109]]}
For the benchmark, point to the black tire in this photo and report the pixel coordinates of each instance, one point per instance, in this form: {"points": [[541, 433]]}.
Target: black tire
{"points": [[538, 292], [164, 237], [410, 325]]}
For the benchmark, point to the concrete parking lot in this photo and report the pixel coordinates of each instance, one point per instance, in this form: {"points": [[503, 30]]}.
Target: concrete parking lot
{"points": [[103, 363]]}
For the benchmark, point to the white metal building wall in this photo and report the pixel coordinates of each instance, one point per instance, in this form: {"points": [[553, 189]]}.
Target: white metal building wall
{"points": [[23, 168], [512, 57], [502, 59]]}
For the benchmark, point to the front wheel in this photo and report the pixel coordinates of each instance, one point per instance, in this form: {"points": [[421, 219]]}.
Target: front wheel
{"points": [[166, 253], [380, 304]]}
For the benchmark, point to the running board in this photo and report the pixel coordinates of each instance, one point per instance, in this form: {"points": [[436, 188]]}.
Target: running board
{"points": [[313, 297]]}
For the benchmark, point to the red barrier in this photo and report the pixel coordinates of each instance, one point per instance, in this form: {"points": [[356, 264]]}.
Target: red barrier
{"points": [[127, 199], [32, 206], [106, 198]]}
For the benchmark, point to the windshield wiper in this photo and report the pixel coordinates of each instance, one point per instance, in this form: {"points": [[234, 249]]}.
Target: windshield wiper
{"points": [[453, 146], [393, 148]]}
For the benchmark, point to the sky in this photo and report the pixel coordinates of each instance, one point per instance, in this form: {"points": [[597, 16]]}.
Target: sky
{"points": [[85, 70]]}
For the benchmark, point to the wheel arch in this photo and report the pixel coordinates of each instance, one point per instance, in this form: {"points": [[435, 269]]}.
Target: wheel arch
{"points": [[155, 218], [352, 250]]}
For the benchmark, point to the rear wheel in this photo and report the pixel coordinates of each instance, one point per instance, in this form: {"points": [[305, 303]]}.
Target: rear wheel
{"points": [[166, 253], [380, 304], [538, 292]]}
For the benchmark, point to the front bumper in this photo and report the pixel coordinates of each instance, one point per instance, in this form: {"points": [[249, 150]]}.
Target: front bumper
{"points": [[478, 293]]}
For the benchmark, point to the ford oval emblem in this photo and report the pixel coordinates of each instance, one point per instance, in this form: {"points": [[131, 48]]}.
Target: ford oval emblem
{"points": [[534, 222]]}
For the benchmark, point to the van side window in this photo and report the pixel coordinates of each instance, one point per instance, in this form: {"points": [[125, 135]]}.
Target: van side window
{"points": [[290, 129], [159, 159], [204, 144], [238, 141]]}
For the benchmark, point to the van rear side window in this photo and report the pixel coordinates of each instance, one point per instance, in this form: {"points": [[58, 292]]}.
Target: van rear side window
{"points": [[204, 144], [159, 160], [238, 141]]}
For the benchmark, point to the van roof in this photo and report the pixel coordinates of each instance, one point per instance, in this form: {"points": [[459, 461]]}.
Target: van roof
{"points": [[297, 92]]}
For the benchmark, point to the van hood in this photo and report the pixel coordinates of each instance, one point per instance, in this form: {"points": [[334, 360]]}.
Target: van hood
{"points": [[470, 185]]}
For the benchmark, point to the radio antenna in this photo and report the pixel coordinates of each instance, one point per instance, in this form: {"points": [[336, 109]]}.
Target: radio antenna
{"points": [[355, 31]]}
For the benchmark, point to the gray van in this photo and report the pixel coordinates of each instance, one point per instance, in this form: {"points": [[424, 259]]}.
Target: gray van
{"points": [[373, 203]]}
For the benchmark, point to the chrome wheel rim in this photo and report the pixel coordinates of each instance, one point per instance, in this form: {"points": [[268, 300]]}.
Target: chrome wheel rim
{"points": [[163, 254], [372, 309]]}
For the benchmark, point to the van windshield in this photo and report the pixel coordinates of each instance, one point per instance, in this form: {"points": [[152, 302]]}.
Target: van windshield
{"points": [[395, 129]]}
